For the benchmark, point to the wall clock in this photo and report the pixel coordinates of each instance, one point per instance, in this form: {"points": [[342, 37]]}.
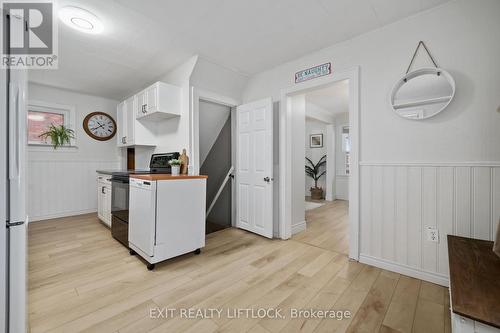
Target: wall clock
{"points": [[99, 126]]}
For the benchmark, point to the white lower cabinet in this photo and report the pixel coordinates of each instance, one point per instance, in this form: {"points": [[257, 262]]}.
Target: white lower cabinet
{"points": [[166, 217], [462, 324], [104, 199]]}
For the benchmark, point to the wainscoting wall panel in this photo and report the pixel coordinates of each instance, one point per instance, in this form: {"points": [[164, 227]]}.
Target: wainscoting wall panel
{"points": [[63, 188], [341, 187], [400, 201]]}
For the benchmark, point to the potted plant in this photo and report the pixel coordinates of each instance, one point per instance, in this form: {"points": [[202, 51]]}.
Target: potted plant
{"points": [[314, 171], [59, 135], [176, 166]]}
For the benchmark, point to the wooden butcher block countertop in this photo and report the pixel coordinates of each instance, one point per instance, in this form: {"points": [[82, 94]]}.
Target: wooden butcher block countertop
{"points": [[153, 177], [475, 279]]}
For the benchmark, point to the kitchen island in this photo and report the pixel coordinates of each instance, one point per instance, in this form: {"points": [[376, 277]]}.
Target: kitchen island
{"points": [[166, 216]]}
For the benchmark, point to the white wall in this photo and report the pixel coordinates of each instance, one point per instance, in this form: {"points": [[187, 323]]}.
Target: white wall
{"points": [[175, 134], [341, 179], [62, 182], [400, 201], [314, 126], [466, 132], [319, 113], [217, 79]]}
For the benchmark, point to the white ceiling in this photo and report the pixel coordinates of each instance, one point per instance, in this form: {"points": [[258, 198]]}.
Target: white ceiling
{"points": [[144, 39], [334, 99]]}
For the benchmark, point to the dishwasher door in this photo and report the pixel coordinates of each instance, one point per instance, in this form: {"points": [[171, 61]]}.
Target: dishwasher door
{"points": [[142, 215]]}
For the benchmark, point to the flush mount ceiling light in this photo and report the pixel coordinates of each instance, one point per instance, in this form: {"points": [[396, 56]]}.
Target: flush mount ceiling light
{"points": [[81, 20]]}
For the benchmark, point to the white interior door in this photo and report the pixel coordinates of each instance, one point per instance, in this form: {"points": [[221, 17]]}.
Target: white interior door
{"points": [[254, 167]]}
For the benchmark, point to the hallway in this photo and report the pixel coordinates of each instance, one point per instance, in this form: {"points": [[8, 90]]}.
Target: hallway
{"points": [[327, 227]]}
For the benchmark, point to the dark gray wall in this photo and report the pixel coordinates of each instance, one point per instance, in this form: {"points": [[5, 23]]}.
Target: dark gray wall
{"points": [[216, 166]]}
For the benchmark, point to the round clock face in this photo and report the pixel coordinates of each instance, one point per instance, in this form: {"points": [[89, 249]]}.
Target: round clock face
{"points": [[99, 126]]}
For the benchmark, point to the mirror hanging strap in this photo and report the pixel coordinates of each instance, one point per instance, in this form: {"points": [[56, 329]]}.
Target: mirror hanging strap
{"points": [[421, 43]]}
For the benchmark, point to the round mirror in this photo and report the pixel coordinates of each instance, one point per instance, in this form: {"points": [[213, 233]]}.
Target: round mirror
{"points": [[423, 93]]}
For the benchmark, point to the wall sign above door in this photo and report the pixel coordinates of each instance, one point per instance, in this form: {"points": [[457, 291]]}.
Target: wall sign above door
{"points": [[313, 72]]}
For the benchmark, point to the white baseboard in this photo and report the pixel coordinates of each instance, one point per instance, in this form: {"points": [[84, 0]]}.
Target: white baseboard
{"points": [[405, 270], [298, 227], [59, 215]]}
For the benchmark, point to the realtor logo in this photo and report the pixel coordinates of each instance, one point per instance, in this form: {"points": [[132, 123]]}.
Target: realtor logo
{"points": [[29, 35]]}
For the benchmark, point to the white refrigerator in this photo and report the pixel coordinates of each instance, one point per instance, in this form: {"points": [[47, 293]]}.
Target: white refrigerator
{"points": [[13, 238]]}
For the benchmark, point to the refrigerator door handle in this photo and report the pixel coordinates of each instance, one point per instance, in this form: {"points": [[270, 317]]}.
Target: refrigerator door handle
{"points": [[14, 140], [14, 224]]}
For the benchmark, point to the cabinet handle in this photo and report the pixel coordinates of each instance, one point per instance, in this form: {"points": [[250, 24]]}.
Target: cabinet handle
{"points": [[102, 190]]}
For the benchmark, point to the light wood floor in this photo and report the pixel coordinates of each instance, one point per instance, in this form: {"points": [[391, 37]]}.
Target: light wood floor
{"points": [[327, 227], [82, 280]]}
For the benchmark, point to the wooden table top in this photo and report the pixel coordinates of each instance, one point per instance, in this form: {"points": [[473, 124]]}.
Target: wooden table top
{"points": [[153, 177], [474, 279]]}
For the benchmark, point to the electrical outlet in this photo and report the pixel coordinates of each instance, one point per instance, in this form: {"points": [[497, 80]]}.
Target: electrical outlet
{"points": [[432, 234]]}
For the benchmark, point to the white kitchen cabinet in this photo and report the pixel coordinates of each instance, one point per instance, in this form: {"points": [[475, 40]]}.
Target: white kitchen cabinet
{"points": [[140, 107], [462, 324], [104, 199], [166, 216], [121, 124], [159, 101], [130, 131]]}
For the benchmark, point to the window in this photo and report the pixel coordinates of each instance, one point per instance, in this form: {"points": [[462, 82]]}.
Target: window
{"points": [[346, 140], [347, 163], [346, 148], [41, 115]]}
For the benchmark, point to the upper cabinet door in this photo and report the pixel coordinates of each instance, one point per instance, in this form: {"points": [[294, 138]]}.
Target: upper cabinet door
{"points": [[131, 131], [121, 119], [141, 103], [152, 99], [159, 101], [130, 105]]}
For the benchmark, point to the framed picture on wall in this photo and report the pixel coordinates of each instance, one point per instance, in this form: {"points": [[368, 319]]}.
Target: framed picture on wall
{"points": [[316, 141]]}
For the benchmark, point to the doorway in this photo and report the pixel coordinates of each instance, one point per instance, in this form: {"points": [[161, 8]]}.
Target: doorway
{"points": [[293, 132], [326, 175], [215, 147], [251, 170]]}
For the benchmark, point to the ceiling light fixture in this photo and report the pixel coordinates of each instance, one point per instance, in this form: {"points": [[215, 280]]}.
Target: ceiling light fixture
{"points": [[81, 20]]}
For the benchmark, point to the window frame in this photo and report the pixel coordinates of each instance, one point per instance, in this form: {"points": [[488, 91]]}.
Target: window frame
{"points": [[68, 112]]}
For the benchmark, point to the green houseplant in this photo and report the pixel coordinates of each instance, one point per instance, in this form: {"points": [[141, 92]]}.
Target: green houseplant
{"points": [[313, 170], [176, 166], [59, 135]]}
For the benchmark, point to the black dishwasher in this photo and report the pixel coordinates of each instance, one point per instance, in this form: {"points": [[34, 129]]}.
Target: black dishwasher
{"points": [[119, 208]]}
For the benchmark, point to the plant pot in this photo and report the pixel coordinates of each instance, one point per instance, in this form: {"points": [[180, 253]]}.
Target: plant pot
{"points": [[316, 193], [176, 169]]}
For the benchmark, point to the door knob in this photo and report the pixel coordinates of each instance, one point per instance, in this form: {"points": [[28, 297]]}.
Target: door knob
{"points": [[267, 179]]}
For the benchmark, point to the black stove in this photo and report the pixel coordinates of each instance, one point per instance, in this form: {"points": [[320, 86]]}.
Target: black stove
{"points": [[120, 192]]}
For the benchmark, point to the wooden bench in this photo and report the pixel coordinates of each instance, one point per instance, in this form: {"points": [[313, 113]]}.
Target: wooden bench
{"points": [[474, 286]]}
